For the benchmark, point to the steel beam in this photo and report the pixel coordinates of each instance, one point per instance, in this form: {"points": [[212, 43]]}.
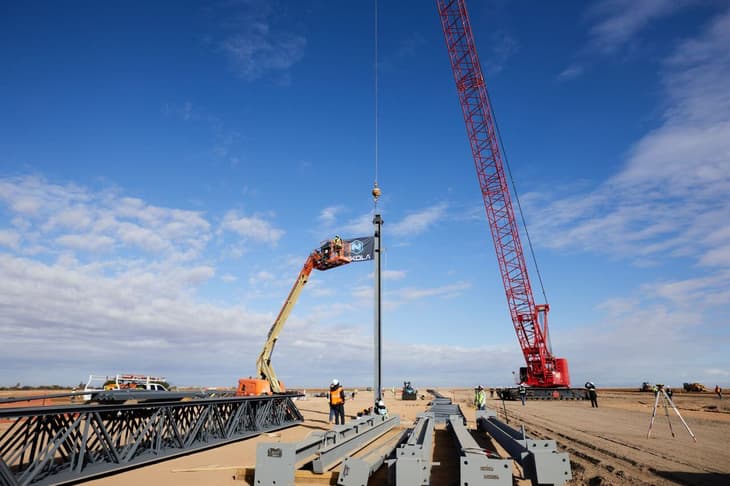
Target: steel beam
{"points": [[540, 459], [65, 444], [475, 465], [356, 471], [345, 439], [276, 463], [413, 458], [442, 407]]}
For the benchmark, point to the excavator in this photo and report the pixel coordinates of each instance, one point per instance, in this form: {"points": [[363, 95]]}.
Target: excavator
{"points": [[330, 254]]}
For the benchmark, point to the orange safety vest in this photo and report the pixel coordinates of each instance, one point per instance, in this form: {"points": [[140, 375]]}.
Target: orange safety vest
{"points": [[336, 396]]}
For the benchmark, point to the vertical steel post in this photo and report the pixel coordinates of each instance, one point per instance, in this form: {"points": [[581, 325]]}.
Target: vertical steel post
{"points": [[377, 388]]}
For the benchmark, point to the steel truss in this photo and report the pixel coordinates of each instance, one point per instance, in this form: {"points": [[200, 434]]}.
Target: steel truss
{"points": [[57, 445]]}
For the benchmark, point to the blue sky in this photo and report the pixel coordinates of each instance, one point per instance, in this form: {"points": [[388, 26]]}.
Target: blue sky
{"points": [[165, 169]]}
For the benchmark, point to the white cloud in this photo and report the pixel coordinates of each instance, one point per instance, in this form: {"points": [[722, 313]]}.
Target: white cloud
{"points": [[49, 216], [571, 72], [10, 238], [502, 47], [617, 24], [669, 203], [86, 242], [360, 226], [671, 198], [329, 214], [393, 274], [618, 21], [419, 222], [446, 291], [257, 47], [251, 227], [260, 277]]}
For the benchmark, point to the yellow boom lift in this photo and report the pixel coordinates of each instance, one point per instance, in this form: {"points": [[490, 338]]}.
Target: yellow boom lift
{"points": [[332, 253]]}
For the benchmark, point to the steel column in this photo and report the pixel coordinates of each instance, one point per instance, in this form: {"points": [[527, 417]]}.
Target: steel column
{"points": [[377, 387]]}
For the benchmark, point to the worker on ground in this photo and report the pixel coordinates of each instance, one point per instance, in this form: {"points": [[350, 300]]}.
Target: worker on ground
{"points": [[523, 393], [476, 397], [481, 398], [669, 392], [718, 390], [491, 392], [592, 394], [380, 408], [337, 402]]}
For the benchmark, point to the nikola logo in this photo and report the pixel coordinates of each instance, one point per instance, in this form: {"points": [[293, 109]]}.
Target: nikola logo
{"points": [[356, 247]]}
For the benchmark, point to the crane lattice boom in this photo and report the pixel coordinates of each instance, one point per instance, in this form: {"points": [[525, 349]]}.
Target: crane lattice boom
{"points": [[481, 130]]}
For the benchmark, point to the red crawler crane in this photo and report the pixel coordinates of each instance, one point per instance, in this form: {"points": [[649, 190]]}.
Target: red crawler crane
{"points": [[543, 370]]}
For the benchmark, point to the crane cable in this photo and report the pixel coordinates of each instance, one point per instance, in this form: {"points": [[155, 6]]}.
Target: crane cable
{"points": [[517, 198], [376, 190]]}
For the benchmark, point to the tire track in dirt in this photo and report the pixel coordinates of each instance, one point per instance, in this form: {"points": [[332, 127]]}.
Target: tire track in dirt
{"points": [[596, 465]]}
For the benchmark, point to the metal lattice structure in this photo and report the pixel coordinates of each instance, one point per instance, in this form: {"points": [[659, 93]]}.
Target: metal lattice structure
{"points": [[57, 445], [488, 160]]}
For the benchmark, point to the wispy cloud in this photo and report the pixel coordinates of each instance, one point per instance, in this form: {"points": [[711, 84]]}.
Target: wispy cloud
{"points": [[329, 214], [394, 274], [668, 203], [252, 227], [256, 47], [502, 47], [671, 197], [571, 72], [616, 24], [418, 222], [402, 296], [618, 21]]}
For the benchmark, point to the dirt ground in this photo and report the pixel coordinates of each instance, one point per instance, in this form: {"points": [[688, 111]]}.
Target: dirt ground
{"points": [[608, 445]]}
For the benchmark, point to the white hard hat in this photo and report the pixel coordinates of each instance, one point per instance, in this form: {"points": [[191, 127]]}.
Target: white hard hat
{"points": [[381, 403], [335, 381]]}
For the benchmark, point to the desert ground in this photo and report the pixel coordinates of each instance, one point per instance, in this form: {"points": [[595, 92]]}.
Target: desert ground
{"points": [[608, 445]]}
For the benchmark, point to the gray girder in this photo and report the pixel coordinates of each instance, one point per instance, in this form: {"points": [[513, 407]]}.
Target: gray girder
{"points": [[63, 444], [540, 459], [356, 471], [413, 458], [475, 466], [276, 463]]}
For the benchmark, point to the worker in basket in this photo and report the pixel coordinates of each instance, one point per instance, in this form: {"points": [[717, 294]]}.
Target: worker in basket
{"points": [[337, 245]]}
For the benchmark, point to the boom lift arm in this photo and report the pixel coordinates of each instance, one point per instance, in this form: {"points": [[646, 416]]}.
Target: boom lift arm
{"points": [[332, 253], [529, 319]]}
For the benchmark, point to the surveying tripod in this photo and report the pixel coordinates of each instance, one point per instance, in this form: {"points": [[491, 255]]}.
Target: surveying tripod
{"points": [[661, 393]]}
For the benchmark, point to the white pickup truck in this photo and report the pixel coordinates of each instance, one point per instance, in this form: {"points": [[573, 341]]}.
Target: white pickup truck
{"points": [[100, 383]]}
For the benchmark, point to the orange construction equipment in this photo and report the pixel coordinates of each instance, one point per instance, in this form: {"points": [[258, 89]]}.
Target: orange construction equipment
{"points": [[331, 253]]}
